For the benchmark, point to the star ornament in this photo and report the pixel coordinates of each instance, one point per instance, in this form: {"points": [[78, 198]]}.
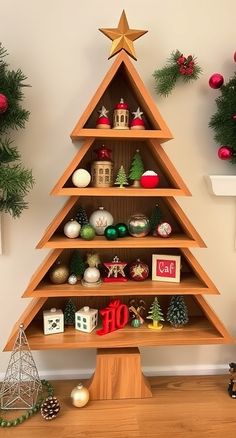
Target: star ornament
{"points": [[138, 114], [122, 37]]}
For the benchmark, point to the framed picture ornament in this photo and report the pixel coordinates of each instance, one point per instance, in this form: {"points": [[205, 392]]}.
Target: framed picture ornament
{"points": [[166, 268]]}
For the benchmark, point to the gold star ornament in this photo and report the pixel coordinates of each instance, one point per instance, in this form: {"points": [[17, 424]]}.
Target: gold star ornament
{"points": [[122, 37]]}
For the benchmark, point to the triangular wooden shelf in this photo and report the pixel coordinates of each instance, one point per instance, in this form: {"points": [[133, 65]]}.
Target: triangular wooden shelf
{"points": [[194, 279], [171, 183], [204, 327], [183, 234], [122, 80]]}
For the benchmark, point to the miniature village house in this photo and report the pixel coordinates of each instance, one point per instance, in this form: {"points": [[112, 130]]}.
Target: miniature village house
{"points": [[86, 319]]}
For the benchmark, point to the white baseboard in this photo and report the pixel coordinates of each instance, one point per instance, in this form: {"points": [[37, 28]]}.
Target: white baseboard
{"points": [[184, 370]]}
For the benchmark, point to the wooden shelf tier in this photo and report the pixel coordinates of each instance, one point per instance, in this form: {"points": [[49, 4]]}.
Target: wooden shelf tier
{"points": [[175, 241], [129, 134], [198, 331], [117, 192], [189, 284]]}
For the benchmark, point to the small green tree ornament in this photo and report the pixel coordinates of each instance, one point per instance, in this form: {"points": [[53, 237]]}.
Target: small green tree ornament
{"points": [[137, 169], [77, 265], [155, 219], [155, 313], [121, 178], [69, 313], [177, 313]]}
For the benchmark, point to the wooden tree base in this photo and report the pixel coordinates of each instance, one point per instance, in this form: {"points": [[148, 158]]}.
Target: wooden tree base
{"points": [[118, 375]]}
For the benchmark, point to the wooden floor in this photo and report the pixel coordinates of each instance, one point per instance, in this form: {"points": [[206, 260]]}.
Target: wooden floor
{"points": [[189, 407]]}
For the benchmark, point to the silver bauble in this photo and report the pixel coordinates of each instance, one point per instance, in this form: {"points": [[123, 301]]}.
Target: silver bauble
{"points": [[100, 219], [79, 396], [138, 225], [72, 229], [72, 279]]}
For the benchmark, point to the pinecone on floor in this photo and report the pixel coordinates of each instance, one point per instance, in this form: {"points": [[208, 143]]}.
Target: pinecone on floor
{"points": [[50, 408]]}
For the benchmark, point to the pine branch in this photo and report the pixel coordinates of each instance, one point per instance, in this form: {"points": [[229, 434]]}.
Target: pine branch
{"points": [[8, 154], [15, 181], [14, 205]]}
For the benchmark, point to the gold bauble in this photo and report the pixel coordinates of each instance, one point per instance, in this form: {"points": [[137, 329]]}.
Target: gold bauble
{"points": [[79, 396], [59, 273]]}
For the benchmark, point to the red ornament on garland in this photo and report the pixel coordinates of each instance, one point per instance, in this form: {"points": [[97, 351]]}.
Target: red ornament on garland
{"points": [[216, 81], [225, 153], [3, 103], [138, 270]]}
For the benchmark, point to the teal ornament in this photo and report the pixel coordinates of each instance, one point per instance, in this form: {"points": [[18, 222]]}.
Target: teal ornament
{"points": [[111, 232], [135, 323], [122, 230]]}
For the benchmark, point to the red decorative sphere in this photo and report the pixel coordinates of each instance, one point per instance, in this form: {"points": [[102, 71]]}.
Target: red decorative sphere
{"points": [[3, 103], [149, 179], [234, 56], [216, 81], [225, 153], [138, 271]]}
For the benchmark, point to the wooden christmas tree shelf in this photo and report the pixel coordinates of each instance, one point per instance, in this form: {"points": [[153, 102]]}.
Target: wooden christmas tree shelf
{"points": [[204, 327]]}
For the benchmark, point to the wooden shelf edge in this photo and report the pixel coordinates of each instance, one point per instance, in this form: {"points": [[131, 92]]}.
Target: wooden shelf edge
{"points": [[114, 191], [121, 134]]}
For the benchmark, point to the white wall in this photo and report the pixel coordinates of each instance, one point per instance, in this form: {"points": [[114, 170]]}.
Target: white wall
{"points": [[57, 45]]}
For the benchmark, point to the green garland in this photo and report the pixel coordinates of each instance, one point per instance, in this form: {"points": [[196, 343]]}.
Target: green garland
{"points": [[223, 121], [177, 67], [31, 411]]}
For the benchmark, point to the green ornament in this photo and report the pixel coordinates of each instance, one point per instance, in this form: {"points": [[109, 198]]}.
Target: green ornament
{"points": [[111, 232], [87, 232], [122, 230], [135, 323]]}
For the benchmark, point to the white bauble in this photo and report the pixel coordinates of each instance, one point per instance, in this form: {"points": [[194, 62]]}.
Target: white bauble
{"points": [[81, 178], [100, 220], [72, 229], [91, 275]]}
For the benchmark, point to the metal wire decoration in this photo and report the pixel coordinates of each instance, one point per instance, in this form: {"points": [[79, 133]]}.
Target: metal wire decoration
{"points": [[21, 385]]}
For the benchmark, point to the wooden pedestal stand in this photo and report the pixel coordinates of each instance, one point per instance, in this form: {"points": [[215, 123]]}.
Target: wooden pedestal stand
{"points": [[118, 375]]}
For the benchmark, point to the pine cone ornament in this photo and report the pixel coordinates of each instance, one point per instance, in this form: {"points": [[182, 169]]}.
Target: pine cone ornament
{"points": [[50, 408]]}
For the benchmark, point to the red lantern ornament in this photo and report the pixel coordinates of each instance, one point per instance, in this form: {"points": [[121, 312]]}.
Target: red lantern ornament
{"points": [[103, 121], [3, 103], [138, 270], [216, 81], [149, 179], [225, 153]]}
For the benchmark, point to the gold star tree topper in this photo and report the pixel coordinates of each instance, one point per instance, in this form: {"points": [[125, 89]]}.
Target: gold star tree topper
{"points": [[122, 37]]}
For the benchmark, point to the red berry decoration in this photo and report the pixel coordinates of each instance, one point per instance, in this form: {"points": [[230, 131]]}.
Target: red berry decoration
{"points": [[3, 103], [216, 81], [225, 153], [138, 271]]}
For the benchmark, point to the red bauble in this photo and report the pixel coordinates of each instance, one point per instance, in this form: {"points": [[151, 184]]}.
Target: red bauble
{"points": [[234, 117], [3, 103], [225, 153], [138, 271], [234, 56], [149, 179], [103, 153], [216, 81]]}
